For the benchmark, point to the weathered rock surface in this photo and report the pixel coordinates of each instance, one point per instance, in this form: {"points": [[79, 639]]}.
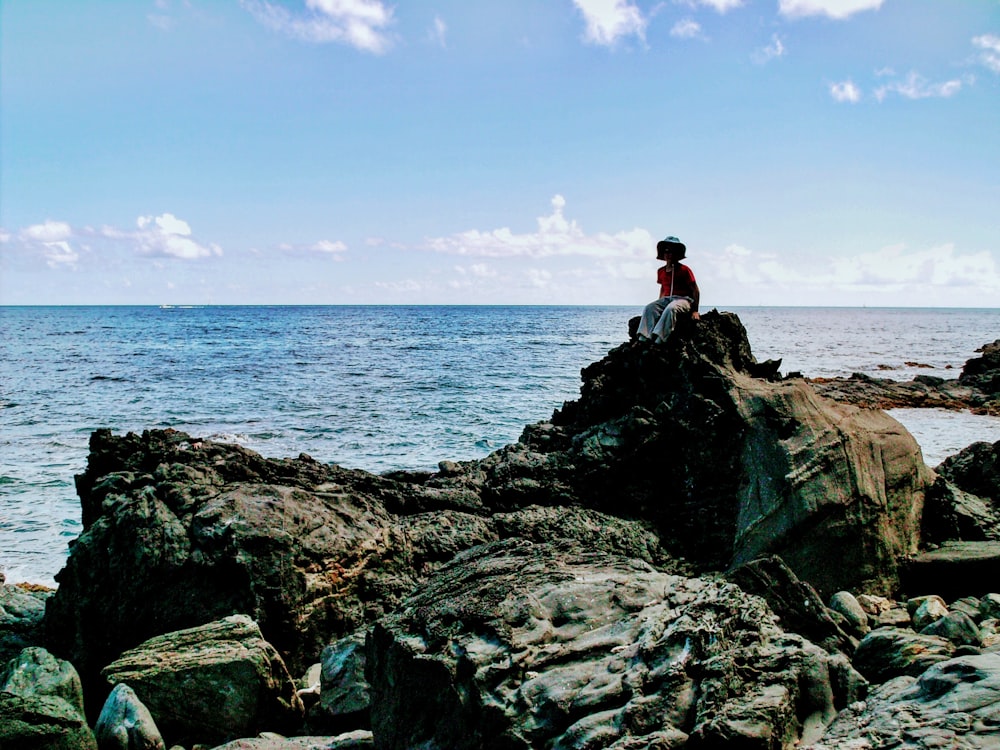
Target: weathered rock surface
{"points": [[674, 449], [953, 705], [126, 724], [22, 610], [41, 704], [677, 461], [526, 645], [210, 684], [977, 388], [357, 740]]}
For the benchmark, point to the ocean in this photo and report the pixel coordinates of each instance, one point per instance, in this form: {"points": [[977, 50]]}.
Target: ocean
{"points": [[375, 388]]}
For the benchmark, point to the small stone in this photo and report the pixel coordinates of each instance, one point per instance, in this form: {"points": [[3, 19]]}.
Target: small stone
{"points": [[929, 609], [846, 604], [989, 606]]}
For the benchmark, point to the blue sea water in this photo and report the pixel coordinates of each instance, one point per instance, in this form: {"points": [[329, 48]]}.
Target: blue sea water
{"points": [[375, 388]]}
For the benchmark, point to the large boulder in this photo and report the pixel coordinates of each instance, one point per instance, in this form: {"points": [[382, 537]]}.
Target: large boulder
{"points": [[41, 704], [725, 465], [210, 684], [522, 645]]}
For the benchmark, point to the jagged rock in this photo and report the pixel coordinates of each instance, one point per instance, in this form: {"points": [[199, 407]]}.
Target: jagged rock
{"points": [[36, 672], [977, 388], [951, 514], [356, 740], [126, 724], [345, 695], [42, 722], [952, 705], [891, 652], [983, 372], [22, 609], [976, 470], [797, 604], [526, 645], [212, 683], [311, 552], [680, 455], [41, 704]]}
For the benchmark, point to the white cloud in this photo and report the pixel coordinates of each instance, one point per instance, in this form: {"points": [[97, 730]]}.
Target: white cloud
{"points": [[610, 20], [915, 86], [721, 6], [556, 236], [439, 32], [326, 246], [686, 29], [990, 55], [770, 52], [839, 9], [166, 236], [845, 91], [50, 231], [938, 273], [359, 23], [51, 239]]}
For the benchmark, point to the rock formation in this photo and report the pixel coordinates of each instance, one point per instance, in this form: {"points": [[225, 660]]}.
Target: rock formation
{"points": [[647, 568], [977, 388]]}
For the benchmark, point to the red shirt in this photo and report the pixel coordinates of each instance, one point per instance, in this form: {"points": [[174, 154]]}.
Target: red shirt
{"points": [[678, 282]]}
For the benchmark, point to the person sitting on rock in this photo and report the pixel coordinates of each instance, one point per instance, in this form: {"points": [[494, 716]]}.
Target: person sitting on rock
{"points": [[679, 293]]}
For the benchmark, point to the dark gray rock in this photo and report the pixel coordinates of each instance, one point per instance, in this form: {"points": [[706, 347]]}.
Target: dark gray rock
{"points": [[22, 610], [958, 628], [954, 570], [886, 653], [126, 724], [519, 645], [953, 705]]}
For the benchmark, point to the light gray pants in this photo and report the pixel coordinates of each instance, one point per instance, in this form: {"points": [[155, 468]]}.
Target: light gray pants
{"points": [[660, 317]]}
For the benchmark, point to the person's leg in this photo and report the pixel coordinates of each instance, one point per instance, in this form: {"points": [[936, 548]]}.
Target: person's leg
{"points": [[665, 326], [650, 316]]}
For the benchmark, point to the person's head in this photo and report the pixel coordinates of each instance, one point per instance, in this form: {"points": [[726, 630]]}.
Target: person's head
{"points": [[670, 245]]}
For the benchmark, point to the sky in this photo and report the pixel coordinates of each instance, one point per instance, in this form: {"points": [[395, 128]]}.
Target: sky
{"points": [[808, 152]]}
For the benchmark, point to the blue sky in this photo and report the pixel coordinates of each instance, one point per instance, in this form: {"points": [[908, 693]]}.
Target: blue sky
{"points": [[809, 152]]}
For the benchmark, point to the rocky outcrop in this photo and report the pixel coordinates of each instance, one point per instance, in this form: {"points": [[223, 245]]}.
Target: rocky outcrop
{"points": [[523, 645], [649, 567], [977, 388], [953, 704], [672, 453]]}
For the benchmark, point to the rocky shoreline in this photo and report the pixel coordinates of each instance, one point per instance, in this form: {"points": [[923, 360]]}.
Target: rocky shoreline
{"points": [[696, 553]]}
